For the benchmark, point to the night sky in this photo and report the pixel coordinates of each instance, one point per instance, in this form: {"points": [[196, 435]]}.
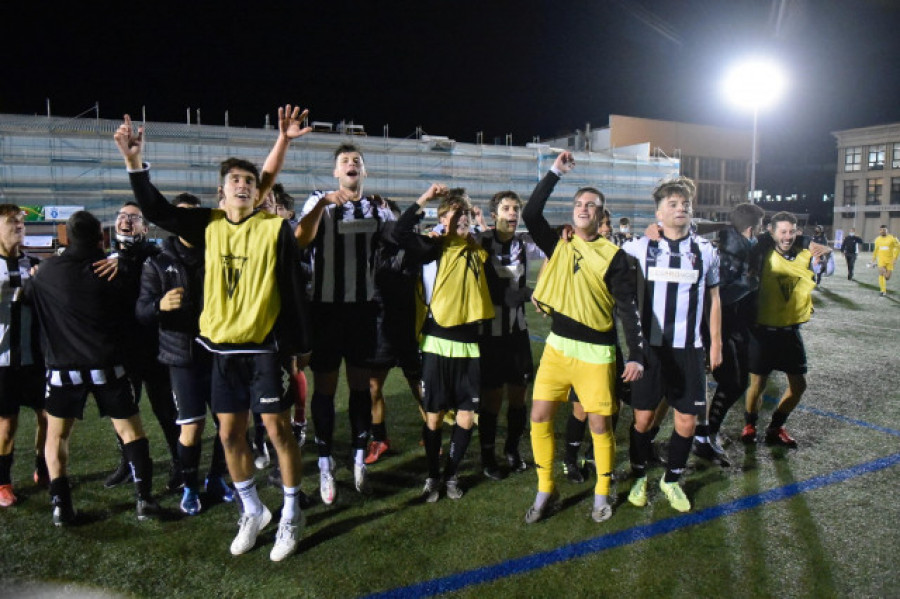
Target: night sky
{"points": [[456, 67]]}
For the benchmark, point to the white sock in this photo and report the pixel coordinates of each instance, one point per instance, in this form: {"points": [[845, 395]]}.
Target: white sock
{"points": [[359, 456], [541, 499], [325, 464], [600, 500], [249, 497], [291, 510]]}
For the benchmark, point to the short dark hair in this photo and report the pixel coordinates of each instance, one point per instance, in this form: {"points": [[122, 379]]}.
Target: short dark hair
{"points": [[186, 198], [624, 221], [681, 185], [346, 148], [583, 190], [746, 215], [503, 195], [83, 229], [283, 198], [882, 227], [226, 167], [131, 203], [783, 217], [607, 216], [9, 210], [456, 199]]}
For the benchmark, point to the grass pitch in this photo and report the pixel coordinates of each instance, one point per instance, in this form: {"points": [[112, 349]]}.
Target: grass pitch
{"points": [[820, 521]]}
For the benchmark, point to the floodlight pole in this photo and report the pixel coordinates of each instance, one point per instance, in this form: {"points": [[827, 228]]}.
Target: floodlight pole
{"points": [[753, 155]]}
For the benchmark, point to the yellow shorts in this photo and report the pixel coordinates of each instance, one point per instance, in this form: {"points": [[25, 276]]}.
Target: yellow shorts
{"points": [[594, 383], [886, 264]]}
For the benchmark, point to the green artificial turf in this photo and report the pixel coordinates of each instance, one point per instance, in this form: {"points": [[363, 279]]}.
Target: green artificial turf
{"points": [[838, 540]]}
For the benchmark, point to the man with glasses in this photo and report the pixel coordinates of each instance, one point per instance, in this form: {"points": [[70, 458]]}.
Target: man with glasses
{"points": [[131, 249]]}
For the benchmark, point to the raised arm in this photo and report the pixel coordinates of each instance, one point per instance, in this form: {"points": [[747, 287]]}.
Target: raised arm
{"points": [[308, 228], [420, 248], [289, 128], [533, 213], [188, 223]]}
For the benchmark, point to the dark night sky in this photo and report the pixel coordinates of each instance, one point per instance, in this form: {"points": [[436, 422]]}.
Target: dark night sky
{"points": [[457, 67]]}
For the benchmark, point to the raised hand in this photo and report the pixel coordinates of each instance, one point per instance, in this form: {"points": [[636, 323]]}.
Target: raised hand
{"points": [[130, 143], [290, 121], [564, 162], [436, 190]]}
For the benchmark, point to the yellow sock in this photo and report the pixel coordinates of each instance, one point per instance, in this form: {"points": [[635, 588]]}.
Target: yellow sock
{"points": [[882, 282], [543, 446], [604, 459]]}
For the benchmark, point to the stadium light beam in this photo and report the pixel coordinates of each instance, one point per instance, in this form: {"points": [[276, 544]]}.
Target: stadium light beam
{"points": [[754, 84]]}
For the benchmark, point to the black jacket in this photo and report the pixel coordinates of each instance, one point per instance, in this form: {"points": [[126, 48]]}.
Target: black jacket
{"points": [[83, 321], [175, 266], [142, 342]]}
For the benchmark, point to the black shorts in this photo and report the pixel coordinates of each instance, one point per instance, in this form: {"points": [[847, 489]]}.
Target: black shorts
{"points": [[449, 383], [115, 397], [242, 382], [22, 386], [677, 374], [192, 387], [776, 349], [396, 343], [506, 360], [343, 332]]}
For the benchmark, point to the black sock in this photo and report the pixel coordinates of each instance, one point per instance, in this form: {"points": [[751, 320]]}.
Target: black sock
{"points": [[701, 430], [778, 419], [189, 458], [751, 418], [60, 491], [516, 417], [487, 435], [217, 464], [379, 432], [6, 469], [459, 443], [639, 449], [323, 420], [138, 455], [40, 466], [654, 430], [574, 436], [721, 403], [360, 412], [679, 450], [432, 440]]}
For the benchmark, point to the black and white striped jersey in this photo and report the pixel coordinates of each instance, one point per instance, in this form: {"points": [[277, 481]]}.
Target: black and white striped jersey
{"points": [[18, 326], [342, 250], [672, 282], [507, 271]]}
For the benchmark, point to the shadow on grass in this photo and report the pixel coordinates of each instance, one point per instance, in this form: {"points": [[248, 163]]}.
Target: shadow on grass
{"points": [[837, 298]]}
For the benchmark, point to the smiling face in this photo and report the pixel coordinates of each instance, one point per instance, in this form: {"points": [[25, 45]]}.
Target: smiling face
{"points": [[784, 233], [349, 170], [238, 191], [12, 233], [130, 222], [675, 212], [586, 213]]}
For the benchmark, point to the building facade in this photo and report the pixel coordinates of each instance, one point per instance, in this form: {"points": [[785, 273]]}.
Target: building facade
{"points": [[53, 161], [867, 183], [716, 158]]}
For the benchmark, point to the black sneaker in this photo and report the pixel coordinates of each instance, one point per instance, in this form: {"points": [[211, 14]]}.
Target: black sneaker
{"points": [[122, 474], [573, 473], [515, 461], [146, 509], [490, 469], [274, 476], [706, 450], [176, 478], [63, 512]]}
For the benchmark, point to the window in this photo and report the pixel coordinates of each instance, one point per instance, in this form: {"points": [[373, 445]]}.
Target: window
{"points": [[708, 194], [736, 170], [688, 168], [873, 192], [852, 159], [851, 192], [709, 169], [876, 157], [895, 190], [895, 159]]}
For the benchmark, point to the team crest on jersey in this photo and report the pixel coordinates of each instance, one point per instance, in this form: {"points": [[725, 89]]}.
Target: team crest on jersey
{"points": [[232, 266], [576, 260], [786, 285]]}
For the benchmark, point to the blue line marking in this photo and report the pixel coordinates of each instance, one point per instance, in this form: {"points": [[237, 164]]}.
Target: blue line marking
{"points": [[842, 418], [530, 563]]}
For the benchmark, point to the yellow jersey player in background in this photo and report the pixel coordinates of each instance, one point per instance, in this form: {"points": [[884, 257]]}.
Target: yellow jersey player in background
{"points": [[884, 254]]}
